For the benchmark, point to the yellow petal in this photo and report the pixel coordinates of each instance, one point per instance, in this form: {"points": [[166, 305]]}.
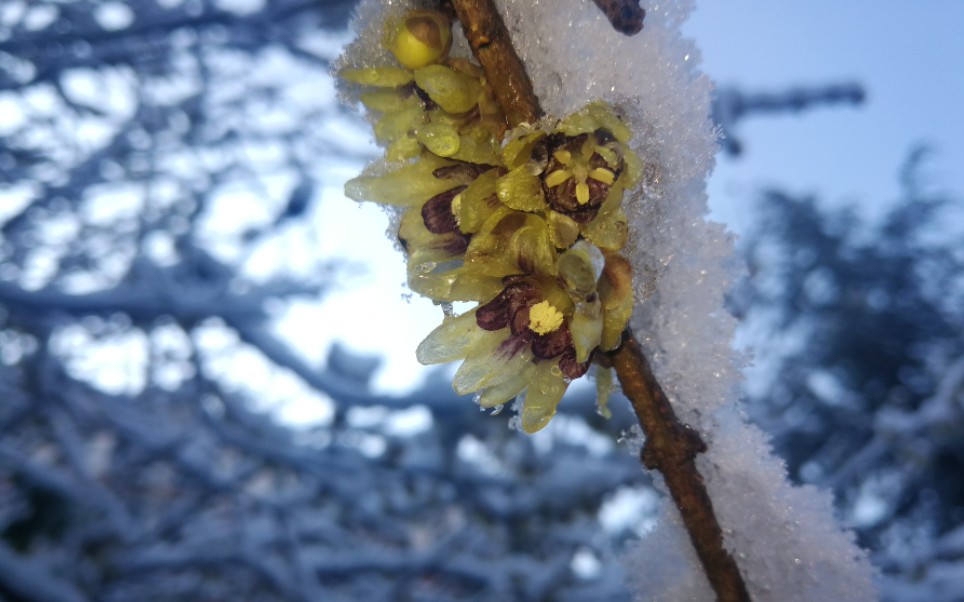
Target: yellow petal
{"points": [[451, 340], [604, 388], [608, 232], [545, 390], [452, 90], [563, 230], [508, 390], [439, 138], [586, 327], [383, 77], [393, 126], [488, 364], [409, 184], [477, 202], [390, 101], [580, 268], [532, 250], [518, 148], [616, 296], [521, 190]]}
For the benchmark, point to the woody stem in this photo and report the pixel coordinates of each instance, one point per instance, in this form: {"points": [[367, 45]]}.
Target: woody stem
{"points": [[671, 447]]}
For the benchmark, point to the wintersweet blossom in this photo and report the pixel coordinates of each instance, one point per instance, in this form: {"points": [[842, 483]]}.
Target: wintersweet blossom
{"points": [[527, 223]]}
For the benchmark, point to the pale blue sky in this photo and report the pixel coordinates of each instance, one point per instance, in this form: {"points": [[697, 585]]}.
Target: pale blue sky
{"points": [[908, 56]]}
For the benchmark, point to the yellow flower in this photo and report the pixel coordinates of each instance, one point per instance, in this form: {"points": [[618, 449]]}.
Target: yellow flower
{"points": [[528, 227]]}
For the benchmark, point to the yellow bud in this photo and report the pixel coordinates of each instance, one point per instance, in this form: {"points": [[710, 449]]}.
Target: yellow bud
{"points": [[544, 318], [423, 37]]}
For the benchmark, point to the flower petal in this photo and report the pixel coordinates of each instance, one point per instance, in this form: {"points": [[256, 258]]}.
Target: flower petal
{"points": [[408, 184], [494, 359], [546, 388], [453, 91], [382, 77], [521, 190], [451, 340], [508, 390]]}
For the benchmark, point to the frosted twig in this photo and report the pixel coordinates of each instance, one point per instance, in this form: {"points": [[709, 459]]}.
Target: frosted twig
{"points": [[671, 447], [489, 39]]}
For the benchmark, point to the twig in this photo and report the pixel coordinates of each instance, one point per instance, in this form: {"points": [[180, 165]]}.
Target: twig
{"points": [[625, 15], [491, 45], [671, 447]]}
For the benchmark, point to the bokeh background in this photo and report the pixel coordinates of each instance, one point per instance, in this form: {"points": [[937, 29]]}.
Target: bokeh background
{"points": [[207, 379]]}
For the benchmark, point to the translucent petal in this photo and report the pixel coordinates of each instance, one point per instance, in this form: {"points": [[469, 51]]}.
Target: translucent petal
{"points": [[450, 341], [383, 77], [563, 230], [545, 390], [616, 296], [580, 268], [586, 327], [518, 150], [488, 365], [453, 91], [632, 170], [410, 184], [390, 101], [508, 390], [604, 389], [533, 250], [478, 146], [592, 117], [477, 202], [521, 190], [607, 232], [393, 126], [403, 149], [439, 138]]}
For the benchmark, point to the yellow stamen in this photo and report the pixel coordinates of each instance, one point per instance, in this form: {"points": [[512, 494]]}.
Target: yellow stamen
{"points": [[563, 156], [582, 193], [544, 318], [557, 177], [601, 174]]}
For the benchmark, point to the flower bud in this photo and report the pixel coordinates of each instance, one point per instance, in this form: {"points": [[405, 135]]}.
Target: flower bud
{"points": [[421, 38]]}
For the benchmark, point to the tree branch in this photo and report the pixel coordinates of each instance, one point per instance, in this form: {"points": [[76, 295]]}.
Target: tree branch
{"points": [[491, 45], [671, 447]]}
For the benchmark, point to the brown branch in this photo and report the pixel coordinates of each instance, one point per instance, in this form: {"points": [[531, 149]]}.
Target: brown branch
{"points": [[626, 16], [491, 45], [671, 447]]}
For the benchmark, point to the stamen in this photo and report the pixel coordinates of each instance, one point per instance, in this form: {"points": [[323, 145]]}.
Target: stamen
{"points": [[544, 318], [563, 156], [601, 174], [582, 193], [557, 177]]}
